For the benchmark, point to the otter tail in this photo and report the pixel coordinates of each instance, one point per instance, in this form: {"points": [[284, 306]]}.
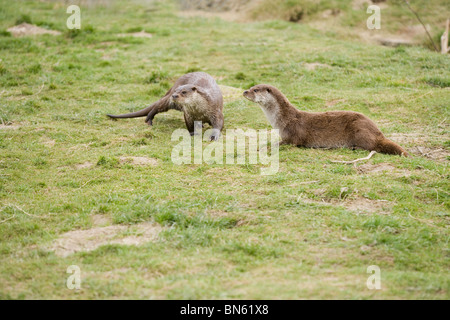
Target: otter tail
{"points": [[140, 113], [162, 105], [390, 147]]}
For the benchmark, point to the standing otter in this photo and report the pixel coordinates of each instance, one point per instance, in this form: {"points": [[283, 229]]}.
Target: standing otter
{"points": [[332, 129], [197, 95]]}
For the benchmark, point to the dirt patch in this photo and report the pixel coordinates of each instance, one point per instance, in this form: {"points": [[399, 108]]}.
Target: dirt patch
{"points": [[408, 138], [230, 10], [375, 168], [394, 41], [48, 142], [363, 4], [213, 5], [99, 220], [26, 29], [331, 103], [363, 205], [91, 239], [84, 165], [330, 13], [139, 161], [358, 205], [381, 168], [438, 154], [141, 34], [9, 127], [230, 93], [314, 65]]}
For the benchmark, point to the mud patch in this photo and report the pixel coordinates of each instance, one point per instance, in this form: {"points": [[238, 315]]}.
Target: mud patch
{"points": [[91, 239], [230, 93], [26, 29], [139, 161]]}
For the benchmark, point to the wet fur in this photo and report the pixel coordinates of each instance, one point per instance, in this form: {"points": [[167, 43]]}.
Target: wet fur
{"points": [[333, 129]]}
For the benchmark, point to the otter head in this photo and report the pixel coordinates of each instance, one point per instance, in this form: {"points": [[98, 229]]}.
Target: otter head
{"points": [[261, 93], [267, 97], [187, 95]]}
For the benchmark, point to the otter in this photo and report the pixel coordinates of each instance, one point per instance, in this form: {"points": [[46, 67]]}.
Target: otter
{"points": [[333, 129], [197, 95]]}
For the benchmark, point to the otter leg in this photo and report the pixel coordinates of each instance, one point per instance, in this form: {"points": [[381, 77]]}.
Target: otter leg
{"points": [[189, 124], [163, 105], [150, 116], [217, 124], [364, 138]]}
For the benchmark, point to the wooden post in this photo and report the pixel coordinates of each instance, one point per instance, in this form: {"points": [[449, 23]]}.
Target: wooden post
{"points": [[444, 38]]}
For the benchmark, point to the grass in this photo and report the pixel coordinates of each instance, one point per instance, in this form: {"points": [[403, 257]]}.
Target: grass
{"points": [[229, 232]]}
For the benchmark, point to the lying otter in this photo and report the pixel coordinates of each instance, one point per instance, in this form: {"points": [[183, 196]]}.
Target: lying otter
{"points": [[197, 95], [333, 129]]}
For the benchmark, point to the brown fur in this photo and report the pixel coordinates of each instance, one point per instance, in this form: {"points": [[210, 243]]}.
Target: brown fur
{"points": [[196, 94], [333, 129]]}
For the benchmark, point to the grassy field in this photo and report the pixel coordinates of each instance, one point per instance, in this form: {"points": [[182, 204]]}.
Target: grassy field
{"points": [[226, 232]]}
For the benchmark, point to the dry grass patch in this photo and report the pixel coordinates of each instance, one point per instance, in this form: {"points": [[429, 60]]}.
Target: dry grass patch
{"points": [[26, 29], [139, 161], [84, 165], [91, 239]]}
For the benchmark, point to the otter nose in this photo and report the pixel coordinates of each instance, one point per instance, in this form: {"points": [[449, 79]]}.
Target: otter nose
{"points": [[174, 96], [245, 92]]}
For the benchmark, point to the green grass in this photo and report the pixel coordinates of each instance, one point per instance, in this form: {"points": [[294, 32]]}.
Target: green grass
{"points": [[229, 232]]}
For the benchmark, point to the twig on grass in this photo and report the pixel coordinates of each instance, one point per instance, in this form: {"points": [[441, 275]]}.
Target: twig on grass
{"points": [[14, 215], [35, 94], [21, 210], [356, 160]]}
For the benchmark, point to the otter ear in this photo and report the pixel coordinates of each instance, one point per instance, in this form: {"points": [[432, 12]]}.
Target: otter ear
{"points": [[269, 90], [194, 89]]}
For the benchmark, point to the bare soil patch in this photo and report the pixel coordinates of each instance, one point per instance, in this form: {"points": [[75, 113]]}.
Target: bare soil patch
{"points": [[26, 29], [84, 165], [91, 239], [381, 168], [9, 127], [99, 220], [331, 103], [363, 205], [139, 161], [314, 65], [359, 205], [47, 142], [438, 154]]}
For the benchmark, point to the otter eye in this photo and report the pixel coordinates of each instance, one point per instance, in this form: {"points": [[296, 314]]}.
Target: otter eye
{"points": [[184, 92], [256, 90]]}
